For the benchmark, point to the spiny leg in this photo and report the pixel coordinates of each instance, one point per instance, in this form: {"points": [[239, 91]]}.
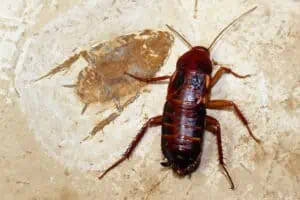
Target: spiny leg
{"points": [[108, 119], [154, 121], [149, 80], [84, 108], [103, 123], [222, 71], [66, 65], [223, 104], [117, 103], [100, 126], [212, 125], [70, 85]]}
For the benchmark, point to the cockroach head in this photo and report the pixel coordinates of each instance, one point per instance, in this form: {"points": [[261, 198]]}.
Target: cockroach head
{"points": [[202, 59], [197, 58], [201, 49]]}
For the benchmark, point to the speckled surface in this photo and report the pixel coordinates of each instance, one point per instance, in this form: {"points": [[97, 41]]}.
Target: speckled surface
{"points": [[36, 35]]}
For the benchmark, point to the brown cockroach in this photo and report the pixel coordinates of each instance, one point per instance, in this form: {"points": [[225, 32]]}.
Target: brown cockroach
{"points": [[184, 117]]}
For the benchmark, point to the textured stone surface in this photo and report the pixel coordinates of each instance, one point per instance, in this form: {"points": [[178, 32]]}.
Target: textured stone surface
{"points": [[265, 44]]}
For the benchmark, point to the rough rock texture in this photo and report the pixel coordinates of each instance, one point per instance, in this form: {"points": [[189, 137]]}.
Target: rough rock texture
{"points": [[44, 164]]}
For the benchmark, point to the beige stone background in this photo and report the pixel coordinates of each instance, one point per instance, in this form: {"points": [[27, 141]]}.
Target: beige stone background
{"points": [[40, 153]]}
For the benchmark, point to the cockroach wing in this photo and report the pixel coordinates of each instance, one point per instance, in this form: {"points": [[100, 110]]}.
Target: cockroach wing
{"points": [[104, 82]]}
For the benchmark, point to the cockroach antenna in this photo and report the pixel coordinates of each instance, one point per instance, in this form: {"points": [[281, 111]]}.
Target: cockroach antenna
{"points": [[180, 36], [218, 37], [221, 34]]}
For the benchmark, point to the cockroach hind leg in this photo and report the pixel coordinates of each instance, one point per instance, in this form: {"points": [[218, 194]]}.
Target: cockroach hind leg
{"points": [[117, 103], [258, 141], [212, 125], [154, 121], [227, 175], [103, 123]]}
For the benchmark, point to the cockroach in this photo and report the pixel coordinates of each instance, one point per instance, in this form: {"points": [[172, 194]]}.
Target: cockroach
{"points": [[184, 117]]}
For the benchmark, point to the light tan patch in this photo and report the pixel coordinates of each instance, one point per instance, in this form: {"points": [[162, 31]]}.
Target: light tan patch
{"points": [[103, 81]]}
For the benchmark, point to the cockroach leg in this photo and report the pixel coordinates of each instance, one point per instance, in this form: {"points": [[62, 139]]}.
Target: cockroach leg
{"points": [[103, 123], [70, 86], [117, 103], [84, 108], [100, 126], [222, 71], [149, 80], [154, 121], [213, 126], [223, 104], [66, 65]]}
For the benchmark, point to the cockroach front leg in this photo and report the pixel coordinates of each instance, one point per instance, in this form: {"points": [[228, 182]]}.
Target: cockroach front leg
{"points": [[223, 104], [149, 80], [222, 71], [66, 65], [155, 121], [213, 126]]}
